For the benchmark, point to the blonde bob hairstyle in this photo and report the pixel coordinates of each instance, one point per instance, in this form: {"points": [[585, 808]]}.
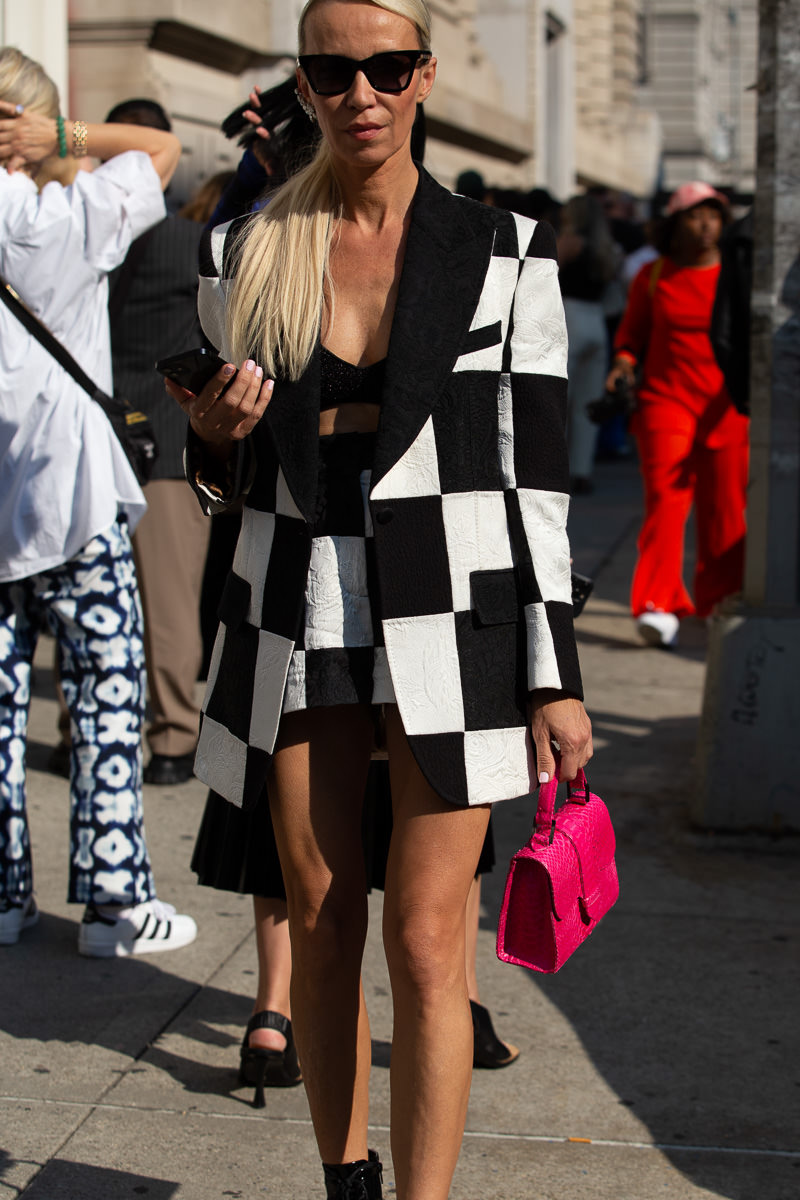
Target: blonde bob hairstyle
{"points": [[23, 81], [275, 307]]}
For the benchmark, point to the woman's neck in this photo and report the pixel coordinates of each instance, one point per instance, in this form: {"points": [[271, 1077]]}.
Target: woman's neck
{"points": [[378, 197], [695, 258]]}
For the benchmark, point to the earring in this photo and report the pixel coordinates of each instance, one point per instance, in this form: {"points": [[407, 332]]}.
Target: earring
{"points": [[306, 105]]}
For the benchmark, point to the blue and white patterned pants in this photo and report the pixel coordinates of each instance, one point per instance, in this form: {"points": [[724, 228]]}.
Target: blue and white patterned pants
{"points": [[91, 605]]}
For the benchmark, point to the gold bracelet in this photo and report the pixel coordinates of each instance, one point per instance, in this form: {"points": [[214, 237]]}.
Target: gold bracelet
{"points": [[80, 136]]}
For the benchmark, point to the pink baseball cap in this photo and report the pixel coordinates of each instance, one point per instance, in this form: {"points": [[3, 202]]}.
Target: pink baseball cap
{"points": [[690, 194]]}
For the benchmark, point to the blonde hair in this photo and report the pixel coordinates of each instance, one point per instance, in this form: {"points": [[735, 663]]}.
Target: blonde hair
{"points": [[25, 82], [281, 288]]}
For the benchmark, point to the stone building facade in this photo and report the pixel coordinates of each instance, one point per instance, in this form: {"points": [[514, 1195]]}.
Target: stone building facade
{"points": [[698, 71], [518, 95], [554, 93]]}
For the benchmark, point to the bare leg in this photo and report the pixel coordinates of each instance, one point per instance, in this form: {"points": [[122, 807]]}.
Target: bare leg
{"points": [[316, 797], [473, 919], [274, 968], [489, 1050], [432, 860]]}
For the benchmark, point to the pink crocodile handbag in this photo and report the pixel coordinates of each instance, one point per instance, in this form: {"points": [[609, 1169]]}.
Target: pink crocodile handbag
{"points": [[561, 883]]}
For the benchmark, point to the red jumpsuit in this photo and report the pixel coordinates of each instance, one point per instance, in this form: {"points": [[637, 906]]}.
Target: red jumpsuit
{"points": [[692, 441]]}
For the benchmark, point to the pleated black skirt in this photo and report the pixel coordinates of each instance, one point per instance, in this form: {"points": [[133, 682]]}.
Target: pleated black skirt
{"points": [[236, 851]]}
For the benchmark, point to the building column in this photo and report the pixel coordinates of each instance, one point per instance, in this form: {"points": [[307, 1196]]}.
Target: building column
{"points": [[749, 740]]}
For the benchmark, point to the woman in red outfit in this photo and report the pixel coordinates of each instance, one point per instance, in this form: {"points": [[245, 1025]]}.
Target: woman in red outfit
{"points": [[692, 441]]}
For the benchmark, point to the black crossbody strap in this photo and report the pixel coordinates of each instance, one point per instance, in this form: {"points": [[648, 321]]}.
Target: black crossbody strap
{"points": [[53, 346]]}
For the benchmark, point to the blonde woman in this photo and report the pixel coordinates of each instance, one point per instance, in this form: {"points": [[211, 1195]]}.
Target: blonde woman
{"points": [[396, 428], [68, 503]]}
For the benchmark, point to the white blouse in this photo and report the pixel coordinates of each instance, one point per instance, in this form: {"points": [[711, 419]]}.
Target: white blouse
{"points": [[63, 475]]}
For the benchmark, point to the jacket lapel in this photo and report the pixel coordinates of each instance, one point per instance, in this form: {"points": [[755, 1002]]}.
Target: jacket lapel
{"points": [[445, 265], [443, 273], [293, 419]]}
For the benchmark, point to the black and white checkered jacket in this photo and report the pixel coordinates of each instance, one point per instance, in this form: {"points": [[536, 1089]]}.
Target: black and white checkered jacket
{"points": [[468, 500]]}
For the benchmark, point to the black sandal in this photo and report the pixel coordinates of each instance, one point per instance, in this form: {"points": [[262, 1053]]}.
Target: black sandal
{"points": [[488, 1050], [260, 1067]]}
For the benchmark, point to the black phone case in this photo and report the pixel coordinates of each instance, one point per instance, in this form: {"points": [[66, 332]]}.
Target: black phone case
{"points": [[192, 369]]}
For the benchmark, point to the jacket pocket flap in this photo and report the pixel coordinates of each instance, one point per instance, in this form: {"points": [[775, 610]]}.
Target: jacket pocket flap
{"points": [[483, 338], [234, 604], [494, 596]]}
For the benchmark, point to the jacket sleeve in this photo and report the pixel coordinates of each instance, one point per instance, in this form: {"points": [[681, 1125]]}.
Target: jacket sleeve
{"points": [[535, 466], [218, 488]]}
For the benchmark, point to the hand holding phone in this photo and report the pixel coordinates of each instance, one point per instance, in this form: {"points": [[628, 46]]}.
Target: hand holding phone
{"points": [[223, 405], [192, 369]]}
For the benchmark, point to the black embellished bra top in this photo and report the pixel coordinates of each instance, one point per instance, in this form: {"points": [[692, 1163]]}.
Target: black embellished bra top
{"points": [[343, 383]]}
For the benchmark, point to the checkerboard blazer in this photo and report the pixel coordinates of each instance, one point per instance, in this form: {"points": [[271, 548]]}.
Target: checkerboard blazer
{"points": [[468, 500]]}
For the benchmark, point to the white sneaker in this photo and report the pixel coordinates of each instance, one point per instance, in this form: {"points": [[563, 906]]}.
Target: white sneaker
{"points": [[141, 929], [658, 628], [16, 917]]}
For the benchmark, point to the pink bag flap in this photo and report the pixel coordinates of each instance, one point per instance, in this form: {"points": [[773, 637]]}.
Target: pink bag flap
{"points": [[559, 862]]}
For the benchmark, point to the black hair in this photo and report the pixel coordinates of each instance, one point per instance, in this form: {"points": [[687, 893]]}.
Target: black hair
{"points": [[292, 136], [140, 112], [470, 183]]}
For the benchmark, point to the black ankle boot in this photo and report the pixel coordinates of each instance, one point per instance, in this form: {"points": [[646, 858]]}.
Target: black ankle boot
{"points": [[360, 1180]]}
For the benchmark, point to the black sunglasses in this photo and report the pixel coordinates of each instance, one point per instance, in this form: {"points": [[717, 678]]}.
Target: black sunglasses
{"points": [[391, 71]]}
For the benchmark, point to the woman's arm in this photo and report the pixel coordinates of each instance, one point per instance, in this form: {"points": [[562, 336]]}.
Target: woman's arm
{"points": [[536, 471], [633, 332], [29, 138]]}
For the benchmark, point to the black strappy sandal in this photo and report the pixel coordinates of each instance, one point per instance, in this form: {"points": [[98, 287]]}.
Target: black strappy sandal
{"points": [[260, 1067]]}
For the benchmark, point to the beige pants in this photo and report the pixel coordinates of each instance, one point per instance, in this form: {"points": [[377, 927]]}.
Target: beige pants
{"points": [[169, 547]]}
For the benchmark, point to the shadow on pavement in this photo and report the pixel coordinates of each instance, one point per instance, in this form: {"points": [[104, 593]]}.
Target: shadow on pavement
{"points": [[99, 1001], [62, 1180], [685, 997]]}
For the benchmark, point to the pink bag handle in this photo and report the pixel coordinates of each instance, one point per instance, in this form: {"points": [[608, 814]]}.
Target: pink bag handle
{"points": [[545, 822]]}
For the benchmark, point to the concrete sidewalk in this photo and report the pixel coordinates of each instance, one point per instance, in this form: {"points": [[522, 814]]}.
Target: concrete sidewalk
{"points": [[662, 1062]]}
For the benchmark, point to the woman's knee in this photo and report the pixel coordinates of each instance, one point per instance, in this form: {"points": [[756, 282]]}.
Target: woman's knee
{"points": [[327, 928], [425, 949]]}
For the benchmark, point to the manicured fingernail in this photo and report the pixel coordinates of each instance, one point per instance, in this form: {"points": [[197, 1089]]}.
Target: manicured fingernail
{"points": [[544, 777], [229, 369], [259, 372], [249, 365]]}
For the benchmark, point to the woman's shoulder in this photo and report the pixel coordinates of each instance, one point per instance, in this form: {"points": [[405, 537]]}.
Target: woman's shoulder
{"points": [[218, 247], [514, 235]]}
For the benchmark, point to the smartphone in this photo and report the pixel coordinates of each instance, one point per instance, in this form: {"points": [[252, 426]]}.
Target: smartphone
{"points": [[192, 369]]}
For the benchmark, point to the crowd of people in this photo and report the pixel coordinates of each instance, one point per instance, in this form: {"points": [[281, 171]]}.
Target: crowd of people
{"points": [[658, 348], [386, 457]]}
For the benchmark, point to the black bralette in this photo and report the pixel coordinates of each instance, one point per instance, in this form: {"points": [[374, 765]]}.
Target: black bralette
{"points": [[343, 383]]}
